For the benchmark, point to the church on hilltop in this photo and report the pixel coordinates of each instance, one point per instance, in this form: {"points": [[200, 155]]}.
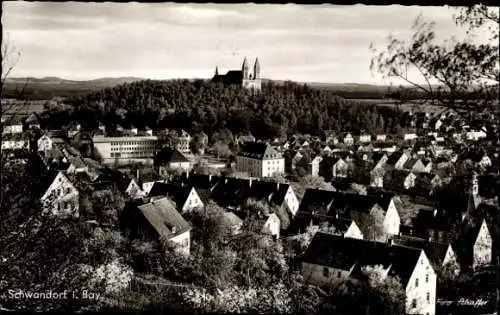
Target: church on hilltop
{"points": [[241, 77]]}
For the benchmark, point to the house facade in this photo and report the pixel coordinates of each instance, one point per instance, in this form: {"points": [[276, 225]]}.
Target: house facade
{"points": [[482, 248], [61, 197], [259, 160], [126, 149]]}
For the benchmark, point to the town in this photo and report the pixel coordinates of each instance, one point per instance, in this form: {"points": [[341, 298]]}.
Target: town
{"points": [[213, 196]]}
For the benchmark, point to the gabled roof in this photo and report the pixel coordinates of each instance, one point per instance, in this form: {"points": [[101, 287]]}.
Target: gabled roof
{"points": [[348, 253], [169, 155], [179, 194], [435, 251], [258, 150], [164, 218]]}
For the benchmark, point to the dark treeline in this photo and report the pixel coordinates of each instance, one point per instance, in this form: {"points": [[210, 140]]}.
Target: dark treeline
{"points": [[203, 106]]}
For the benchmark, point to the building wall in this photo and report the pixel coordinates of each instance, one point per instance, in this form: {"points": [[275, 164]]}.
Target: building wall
{"points": [[12, 129], [426, 276], [252, 84], [365, 138], [392, 220], [354, 232], [313, 169], [292, 202], [260, 168], [15, 144], [401, 162], [272, 226], [482, 249], [321, 275], [134, 191], [451, 259], [271, 167], [183, 241], [61, 198], [193, 201], [125, 148], [340, 169], [44, 143]]}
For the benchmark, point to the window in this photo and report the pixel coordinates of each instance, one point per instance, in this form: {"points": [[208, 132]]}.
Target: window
{"points": [[427, 278], [414, 303], [428, 297], [416, 283], [325, 272]]}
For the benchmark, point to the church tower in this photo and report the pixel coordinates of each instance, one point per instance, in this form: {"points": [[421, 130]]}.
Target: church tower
{"points": [[245, 69], [256, 69]]}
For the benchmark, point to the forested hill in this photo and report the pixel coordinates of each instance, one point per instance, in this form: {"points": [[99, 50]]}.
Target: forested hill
{"points": [[204, 106]]}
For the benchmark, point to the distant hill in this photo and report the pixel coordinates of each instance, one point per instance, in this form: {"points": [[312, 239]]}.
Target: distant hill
{"points": [[48, 87]]}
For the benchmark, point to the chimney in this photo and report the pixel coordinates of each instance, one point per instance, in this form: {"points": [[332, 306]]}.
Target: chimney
{"points": [[174, 229], [390, 241], [137, 175], [250, 182], [435, 212], [209, 177], [277, 186]]}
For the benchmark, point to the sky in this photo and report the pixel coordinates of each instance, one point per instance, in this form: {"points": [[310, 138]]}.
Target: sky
{"points": [[307, 43]]}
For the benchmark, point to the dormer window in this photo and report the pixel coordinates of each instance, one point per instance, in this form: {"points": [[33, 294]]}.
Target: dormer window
{"points": [[416, 283]]}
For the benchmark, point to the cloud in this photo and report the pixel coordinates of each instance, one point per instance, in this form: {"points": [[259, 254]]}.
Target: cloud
{"points": [[322, 42]]}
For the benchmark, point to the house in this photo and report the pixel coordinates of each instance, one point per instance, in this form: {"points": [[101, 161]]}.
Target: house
{"points": [[48, 141], [399, 179], [169, 159], [380, 137], [340, 168], [397, 160], [336, 226], [377, 176], [365, 137], [313, 166], [160, 220], [130, 187], [348, 139], [478, 158], [54, 159], [359, 208], [12, 124], [15, 141], [408, 136], [259, 159], [440, 255], [233, 193], [427, 183], [330, 258], [477, 246], [61, 196], [414, 165], [183, 142], [186, 198]]}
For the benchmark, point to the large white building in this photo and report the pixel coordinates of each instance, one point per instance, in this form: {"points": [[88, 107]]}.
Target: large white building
{"points": [[259, 159], [125, 149]]}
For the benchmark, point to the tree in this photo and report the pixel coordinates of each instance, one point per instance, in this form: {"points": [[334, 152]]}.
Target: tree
{"points": [[467, 72], [197, 145], [222, 150]]}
